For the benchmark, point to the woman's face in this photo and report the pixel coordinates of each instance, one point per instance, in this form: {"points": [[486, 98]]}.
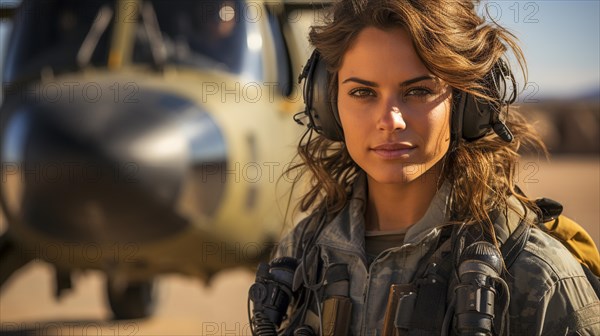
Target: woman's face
{"points": [[394, 112]]}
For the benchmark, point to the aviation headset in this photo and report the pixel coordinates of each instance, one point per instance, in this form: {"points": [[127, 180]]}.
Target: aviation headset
{"points": [[472, 117]]}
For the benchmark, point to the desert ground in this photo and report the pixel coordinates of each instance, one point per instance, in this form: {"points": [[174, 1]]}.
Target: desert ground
{"points": [[186, 306]]}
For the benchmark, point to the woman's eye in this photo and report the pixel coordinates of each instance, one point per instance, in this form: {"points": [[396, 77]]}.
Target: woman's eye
{"points": [[361, 93], [418, 91]]}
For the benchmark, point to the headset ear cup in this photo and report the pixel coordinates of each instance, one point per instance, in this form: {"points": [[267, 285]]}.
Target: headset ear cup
{"points": [[470, 117], [321, 110], [475, 117], [478, 117]]}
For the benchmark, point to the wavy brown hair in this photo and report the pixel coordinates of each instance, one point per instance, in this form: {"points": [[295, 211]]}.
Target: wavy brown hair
{"points": [[456, 45]]}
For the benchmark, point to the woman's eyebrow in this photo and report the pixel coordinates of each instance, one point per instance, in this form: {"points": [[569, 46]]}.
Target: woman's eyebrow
{"points": [[374, 84], [360, 81]]}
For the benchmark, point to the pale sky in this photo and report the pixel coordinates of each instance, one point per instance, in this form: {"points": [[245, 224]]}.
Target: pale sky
{"points": [[561, 42]]}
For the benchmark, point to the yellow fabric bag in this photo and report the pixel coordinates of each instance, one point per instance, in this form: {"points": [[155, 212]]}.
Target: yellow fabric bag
{"points": [[577, 240]]}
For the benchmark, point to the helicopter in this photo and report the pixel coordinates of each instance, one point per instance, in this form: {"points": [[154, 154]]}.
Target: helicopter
{"points": [[144, 137]]}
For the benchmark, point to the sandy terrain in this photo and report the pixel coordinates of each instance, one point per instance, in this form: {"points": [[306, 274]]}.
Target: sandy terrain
{"points": [[188, 307]]}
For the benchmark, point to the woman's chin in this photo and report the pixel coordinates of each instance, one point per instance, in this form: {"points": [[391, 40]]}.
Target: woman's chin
{"points": [[404, 175]]}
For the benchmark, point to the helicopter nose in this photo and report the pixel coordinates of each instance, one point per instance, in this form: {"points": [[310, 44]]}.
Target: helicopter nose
{"points": [[111, 172]]}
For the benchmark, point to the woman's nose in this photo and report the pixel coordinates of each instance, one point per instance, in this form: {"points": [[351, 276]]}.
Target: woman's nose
{"points": [[392, 119]]}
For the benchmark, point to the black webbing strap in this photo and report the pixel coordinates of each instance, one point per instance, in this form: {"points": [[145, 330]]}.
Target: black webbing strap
{"points": [[429, 312], [515, 243], [336, 281], [431, 281], [337, 272]]}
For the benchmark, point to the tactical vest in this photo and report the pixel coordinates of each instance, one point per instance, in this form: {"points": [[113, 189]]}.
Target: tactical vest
{"points": [[410, 305]]}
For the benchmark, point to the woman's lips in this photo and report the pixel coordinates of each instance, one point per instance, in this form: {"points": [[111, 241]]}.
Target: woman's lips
{"points": [[393, 150]]}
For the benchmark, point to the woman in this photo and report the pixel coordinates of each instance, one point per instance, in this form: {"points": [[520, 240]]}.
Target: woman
{"points": [[416, 137]]}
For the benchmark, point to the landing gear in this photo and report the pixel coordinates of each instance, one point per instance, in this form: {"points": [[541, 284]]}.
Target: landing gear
{"points": [[12, 257], [131, 299]]}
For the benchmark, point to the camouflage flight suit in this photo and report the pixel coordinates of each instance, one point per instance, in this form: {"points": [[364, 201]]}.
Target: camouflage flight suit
{"points": [[550, 294]]}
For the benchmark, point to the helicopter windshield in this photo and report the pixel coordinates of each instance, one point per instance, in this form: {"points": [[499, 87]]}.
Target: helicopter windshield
{"points": [[49, 34], [215, 34], [206, 34]]}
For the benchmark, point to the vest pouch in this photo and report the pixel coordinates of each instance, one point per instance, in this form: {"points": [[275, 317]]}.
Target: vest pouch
{"points": [[337, 306], [336, 316], [421, 305], [430, 306], [399, 309]]}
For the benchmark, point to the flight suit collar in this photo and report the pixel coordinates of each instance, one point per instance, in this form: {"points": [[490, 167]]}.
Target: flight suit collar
{"points": [[347, 230]]}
